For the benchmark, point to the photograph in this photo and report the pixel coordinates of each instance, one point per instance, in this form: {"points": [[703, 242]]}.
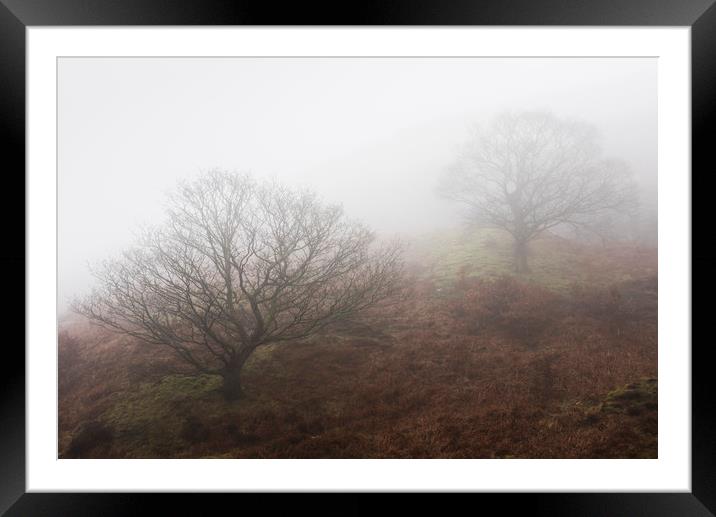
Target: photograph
{"points": [[357, 257]]}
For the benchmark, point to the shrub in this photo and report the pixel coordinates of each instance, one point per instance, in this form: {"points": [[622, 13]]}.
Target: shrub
{"points": [[88, 438], [603, 304], [520, 309], [543, 373], [193, 430], [68, 360]]}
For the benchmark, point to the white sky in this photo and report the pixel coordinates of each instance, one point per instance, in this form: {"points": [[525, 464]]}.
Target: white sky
{"points": [[373, 134]]}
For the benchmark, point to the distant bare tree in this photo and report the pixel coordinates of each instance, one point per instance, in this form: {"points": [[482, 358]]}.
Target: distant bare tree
{"points": [[238, 265], [529, 172]]}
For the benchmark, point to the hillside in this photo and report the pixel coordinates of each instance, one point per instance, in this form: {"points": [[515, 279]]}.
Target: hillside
{"points": [[555, 262], [472, 363]]}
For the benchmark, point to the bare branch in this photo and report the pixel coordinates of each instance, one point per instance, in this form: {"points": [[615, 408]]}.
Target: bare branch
{"points": [[239, 264], [531, 171]]}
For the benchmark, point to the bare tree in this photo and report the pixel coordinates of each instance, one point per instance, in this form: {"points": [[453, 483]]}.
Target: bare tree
{"points": [[530, 172], [240, 264]]}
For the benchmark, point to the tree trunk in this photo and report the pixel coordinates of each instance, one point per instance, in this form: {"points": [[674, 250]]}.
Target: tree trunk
{"points": [[521, 252], [232, 383]]}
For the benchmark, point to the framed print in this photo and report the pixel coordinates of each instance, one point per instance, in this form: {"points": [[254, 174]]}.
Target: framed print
{"points": [[417, 251]]}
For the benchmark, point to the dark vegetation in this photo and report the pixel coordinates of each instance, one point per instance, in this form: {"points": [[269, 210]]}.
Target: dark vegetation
{"points": [[560, 362]]}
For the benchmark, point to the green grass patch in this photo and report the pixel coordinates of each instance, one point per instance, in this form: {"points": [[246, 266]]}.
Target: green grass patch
{"points": [[633, 399], [555, 263], [152, 418]]}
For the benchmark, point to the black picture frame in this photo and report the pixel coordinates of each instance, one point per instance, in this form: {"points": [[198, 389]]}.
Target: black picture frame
{"points": [[16, 15]]}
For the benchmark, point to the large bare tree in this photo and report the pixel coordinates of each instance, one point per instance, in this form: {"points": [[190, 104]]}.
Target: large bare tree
{"points": [[529, 172], [240, 264]]}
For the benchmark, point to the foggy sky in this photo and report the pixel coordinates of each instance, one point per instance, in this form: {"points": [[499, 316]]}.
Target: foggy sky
{"points": [[373, 134]]}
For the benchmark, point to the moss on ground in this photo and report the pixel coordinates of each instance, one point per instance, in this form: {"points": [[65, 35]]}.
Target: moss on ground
{"points": [[634, 407], [153, 417], [633, 399]]}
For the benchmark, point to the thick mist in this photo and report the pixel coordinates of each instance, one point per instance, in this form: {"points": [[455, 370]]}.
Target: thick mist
{"points": [[373, 134]]}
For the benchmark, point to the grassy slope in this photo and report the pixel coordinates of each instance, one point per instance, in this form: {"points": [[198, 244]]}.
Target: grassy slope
{"points": [[412, 385], [555, 262]]}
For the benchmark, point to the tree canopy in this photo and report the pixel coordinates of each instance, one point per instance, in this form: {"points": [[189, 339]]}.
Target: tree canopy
{"points": [[531, 171], [239, 264]]}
